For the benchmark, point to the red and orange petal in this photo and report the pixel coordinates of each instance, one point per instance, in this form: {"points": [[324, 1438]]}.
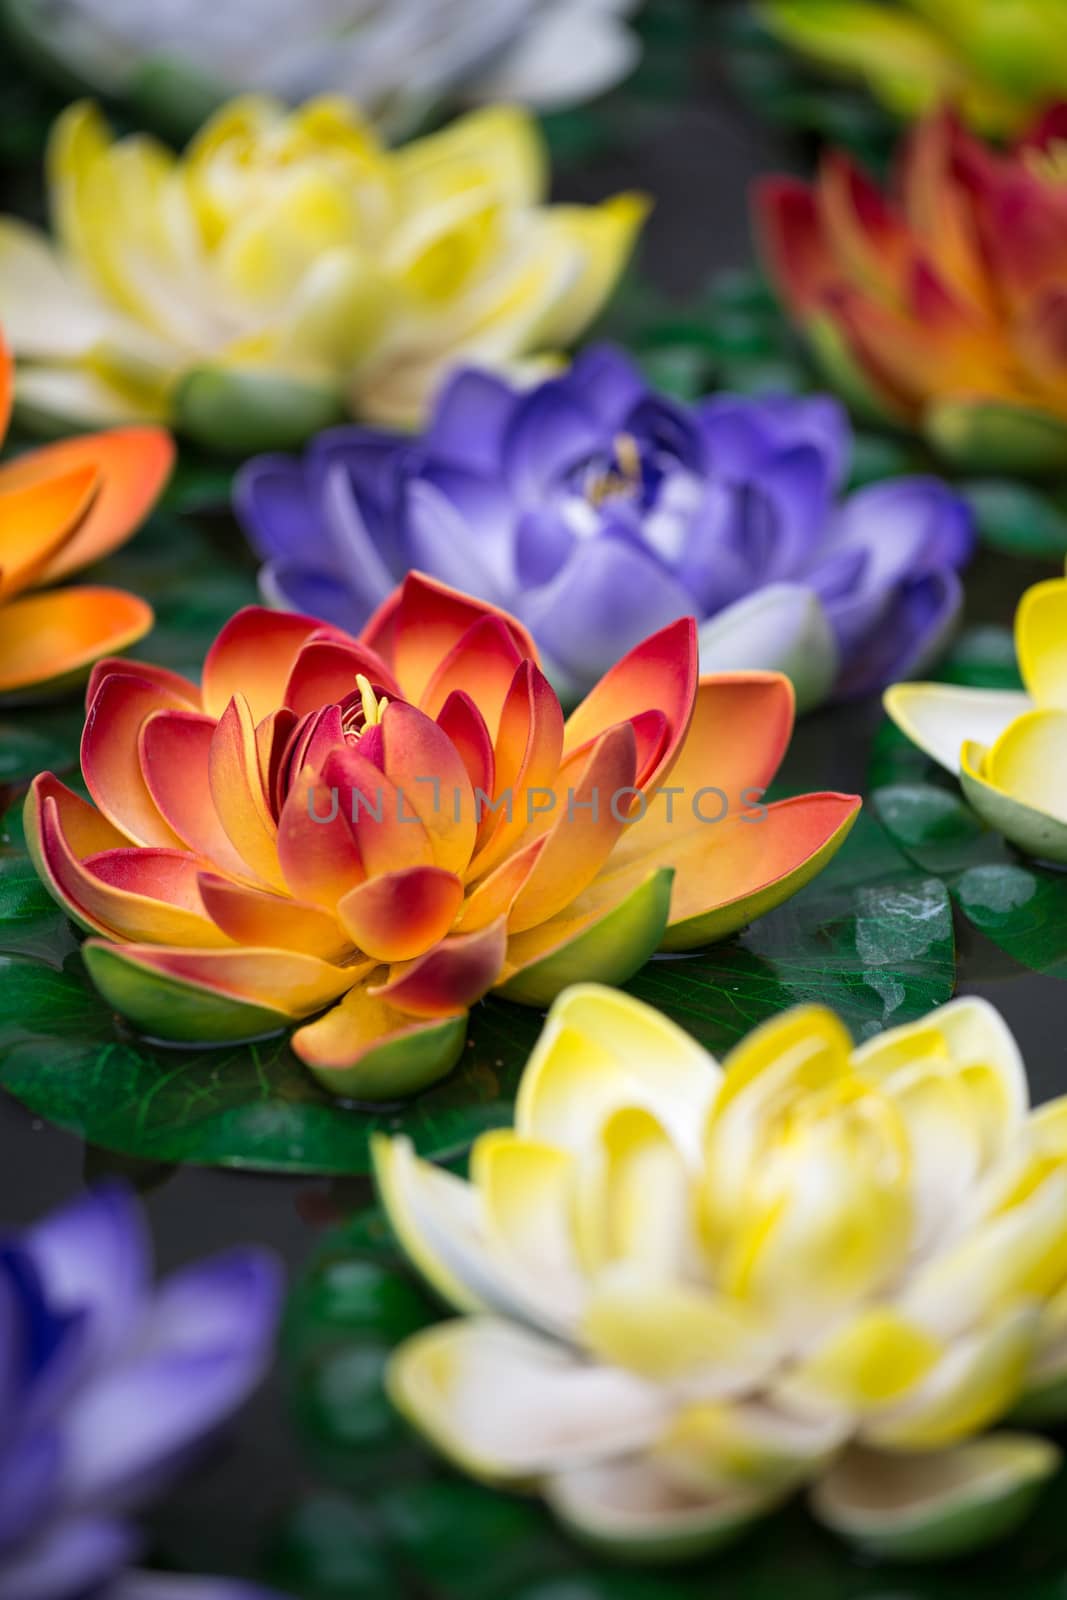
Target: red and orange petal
{"points": [[174, 760], [258, 917], [131, 467], [238, 796], [741, 726], [793, 243], [525, 762], [37, 520], [317, 848], [729, 873], [254, 655], [171, 683], [464, 724], [421, 622], [450, 977], [325, 672], [483, 662], [142, 894], [86, 831], [590, 820], [871, 244], [110, 756], [421, 760], [50, 641], [388, 831], [400, 915], [659, 674]]}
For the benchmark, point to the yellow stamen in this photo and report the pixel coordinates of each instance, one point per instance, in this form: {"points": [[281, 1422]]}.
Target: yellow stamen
{"points": [[373, 708]]}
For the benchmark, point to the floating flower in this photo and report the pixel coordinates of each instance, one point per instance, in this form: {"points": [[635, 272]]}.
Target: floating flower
{"points": [[401, 822], [109, 1387], [597, 510], [62, 507], [400, 62], [942, 306], [1008, 747], [288, 270], [690, 1290], [1000, 63]]}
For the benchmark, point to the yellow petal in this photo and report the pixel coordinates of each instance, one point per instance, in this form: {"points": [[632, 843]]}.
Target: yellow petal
{"points": [[1029, 762], [1041, 641], [874, 1358], [976, 1381], [601, 1050]]}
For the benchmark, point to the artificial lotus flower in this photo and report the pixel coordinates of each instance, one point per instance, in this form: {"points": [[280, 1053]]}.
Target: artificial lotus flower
{"points": [[939, 307], [62, 507], [690, 1290], [596, 510], [288, 270], [1008, 747], [400, 61], [391, 826], [110, 1385], [998, 62]]}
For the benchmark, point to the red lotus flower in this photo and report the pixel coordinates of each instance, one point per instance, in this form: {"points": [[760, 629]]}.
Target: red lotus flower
{"points": [[942, 306], [401, 822]]}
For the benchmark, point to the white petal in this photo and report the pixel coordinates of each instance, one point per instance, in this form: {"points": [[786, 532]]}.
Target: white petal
{"points": [[939, 717], [504, 1403], [782, 628], [633, 1508], [440, 1222], [916, 1507]]}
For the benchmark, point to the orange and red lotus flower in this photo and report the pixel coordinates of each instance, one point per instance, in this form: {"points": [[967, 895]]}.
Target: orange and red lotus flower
{"points": [[383, 829], [62, 507], [942, 304]]}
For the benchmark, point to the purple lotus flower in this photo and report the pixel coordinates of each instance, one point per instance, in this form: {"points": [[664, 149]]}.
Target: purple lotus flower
{"points": [[108, 1385], [599, 510]]}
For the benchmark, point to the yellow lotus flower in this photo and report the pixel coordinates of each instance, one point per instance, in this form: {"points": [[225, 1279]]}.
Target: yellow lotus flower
{"points": [[999, 60], [691, 1289], [1007, 746], [288, 270]]}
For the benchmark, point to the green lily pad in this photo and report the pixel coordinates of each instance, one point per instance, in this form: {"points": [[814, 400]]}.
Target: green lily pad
{"points": [[867, 937], [389, 1517]]}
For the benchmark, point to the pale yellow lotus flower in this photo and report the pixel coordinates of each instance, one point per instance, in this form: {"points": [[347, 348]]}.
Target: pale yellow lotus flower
{"points": [[690, 1290], [288, 270], [1008, 747]]}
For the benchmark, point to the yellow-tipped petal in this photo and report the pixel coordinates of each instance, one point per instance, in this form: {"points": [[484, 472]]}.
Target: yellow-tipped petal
{"points": [[601, 1050], [941, 717]]}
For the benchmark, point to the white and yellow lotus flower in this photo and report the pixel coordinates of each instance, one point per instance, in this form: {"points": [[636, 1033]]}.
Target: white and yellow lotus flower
{"points": [[1007, 746], [691, 1289], [288, 270]]}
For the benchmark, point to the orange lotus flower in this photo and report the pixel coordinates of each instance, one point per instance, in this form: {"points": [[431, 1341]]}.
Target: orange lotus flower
{"points": [[942, 306], [402, 822], [62, 507]]}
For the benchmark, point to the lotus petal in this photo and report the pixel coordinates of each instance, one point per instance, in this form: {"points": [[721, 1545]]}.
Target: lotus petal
{"points": [[51, 640], [927, 1507]]}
